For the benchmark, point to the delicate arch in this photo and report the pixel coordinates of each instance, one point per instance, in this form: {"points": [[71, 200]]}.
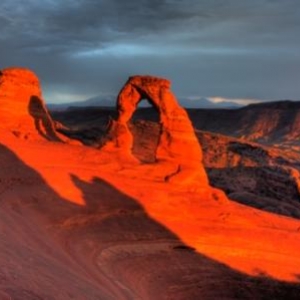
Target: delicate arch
{"points": [[177, 141]]}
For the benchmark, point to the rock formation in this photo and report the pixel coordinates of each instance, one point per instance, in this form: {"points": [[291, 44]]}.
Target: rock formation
{"points": [[177, 141], [267, 123], [22, 108]]}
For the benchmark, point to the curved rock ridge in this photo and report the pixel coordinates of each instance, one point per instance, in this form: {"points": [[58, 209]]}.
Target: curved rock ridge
{"points": [[22, 108], [177, 141]]}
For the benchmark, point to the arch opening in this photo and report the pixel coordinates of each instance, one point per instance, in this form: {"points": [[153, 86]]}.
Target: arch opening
{"points": [[145, 128]]}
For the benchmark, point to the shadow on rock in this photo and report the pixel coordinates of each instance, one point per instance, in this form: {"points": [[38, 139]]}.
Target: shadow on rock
{"points": [[109, 249]]}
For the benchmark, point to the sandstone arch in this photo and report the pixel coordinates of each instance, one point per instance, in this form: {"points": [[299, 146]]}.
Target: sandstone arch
{"points": [[177, 142]]}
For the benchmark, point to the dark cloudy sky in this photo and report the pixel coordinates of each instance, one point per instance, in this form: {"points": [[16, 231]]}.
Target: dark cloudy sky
{"points": [[233, 49]]}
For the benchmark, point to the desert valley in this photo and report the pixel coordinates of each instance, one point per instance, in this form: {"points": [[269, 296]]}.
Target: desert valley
{"points": [[147, 203]]}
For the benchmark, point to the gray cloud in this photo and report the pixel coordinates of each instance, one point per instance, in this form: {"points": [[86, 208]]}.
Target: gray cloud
{"points": [[233, 48]]}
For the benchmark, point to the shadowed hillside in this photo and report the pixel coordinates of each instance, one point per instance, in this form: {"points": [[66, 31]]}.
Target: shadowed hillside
{"points": [[110, 248], [269, 123]]}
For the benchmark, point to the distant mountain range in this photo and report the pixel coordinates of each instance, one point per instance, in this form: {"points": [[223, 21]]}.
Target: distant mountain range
{"points": [[208, 104], [109, 101]]}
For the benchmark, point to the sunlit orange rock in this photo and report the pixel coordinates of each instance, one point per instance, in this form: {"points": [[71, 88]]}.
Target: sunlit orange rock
{"points": [[22, 109], [177, 141]]}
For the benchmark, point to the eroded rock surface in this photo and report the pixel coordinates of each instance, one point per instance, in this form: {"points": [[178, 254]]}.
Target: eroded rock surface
{"points": [[177, 141], [22, 108]]}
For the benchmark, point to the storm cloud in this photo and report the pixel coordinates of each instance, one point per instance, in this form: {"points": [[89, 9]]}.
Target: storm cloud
{"points": [[234, 49]]}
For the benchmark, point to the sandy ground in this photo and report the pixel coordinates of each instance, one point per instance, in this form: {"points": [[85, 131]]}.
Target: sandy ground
{"points": [[77, 223]]}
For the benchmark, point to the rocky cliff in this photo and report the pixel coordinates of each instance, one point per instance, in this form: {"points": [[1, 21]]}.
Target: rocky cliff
{"points": [[267, 123], [22, 109]]}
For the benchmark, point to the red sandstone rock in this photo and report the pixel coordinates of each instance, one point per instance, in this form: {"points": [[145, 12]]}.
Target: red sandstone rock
{"points": [[22, 108], [177, 141]]}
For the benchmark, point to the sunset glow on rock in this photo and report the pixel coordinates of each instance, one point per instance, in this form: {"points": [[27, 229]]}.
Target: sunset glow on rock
{"points": [[84, 222], [22, 109], [177, 141]]}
